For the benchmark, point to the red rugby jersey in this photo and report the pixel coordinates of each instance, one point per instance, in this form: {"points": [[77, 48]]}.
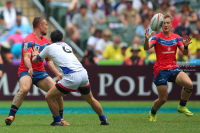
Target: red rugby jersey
{"points": [[165, 48], [32, 40]]}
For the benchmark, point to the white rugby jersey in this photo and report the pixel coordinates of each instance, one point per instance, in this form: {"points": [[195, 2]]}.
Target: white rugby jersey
{"points": [[62, 56]]}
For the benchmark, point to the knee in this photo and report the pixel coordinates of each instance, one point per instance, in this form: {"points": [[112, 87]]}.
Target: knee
{"points": [[164, 99], [24, 90], [190, 85], [46, 97]]}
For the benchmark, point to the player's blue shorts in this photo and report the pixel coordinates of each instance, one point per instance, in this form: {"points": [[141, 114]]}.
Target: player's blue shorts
{"points": [[166, 75], [37, 76]]}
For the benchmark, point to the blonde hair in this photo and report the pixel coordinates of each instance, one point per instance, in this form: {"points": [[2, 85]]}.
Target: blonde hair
{"points": [[107, 32], [168, 16]]}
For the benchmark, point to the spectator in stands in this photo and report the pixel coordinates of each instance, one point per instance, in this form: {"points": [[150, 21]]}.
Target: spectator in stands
{"points": [[195, 43], [121, 5], [141, 29], [137, 4], [89, 58], [197, 54], [93, 40], [124, 47], [152, 56], [113, 51], [175, 17], [102, 43], [25, 29], [5, 52], [72, 10], [107, 8], [181, 57], [15, 38], [183, 29], [194, 32], [141, 53], [129, 15], [134, 59], [82, 23], [186, 10], [196, 60], [8, 15], [24, 20], [97, 15], [144, 10], [164, 8], [150, 14]]}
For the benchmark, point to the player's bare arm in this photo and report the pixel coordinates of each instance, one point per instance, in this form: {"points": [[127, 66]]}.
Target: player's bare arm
{"points": [[27, 63], [1, 65], [186, 42], [148, 45], [35, 52], [53, 68]]}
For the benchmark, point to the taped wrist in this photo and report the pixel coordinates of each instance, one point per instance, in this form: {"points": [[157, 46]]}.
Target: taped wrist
{"points": [[186, 47]]}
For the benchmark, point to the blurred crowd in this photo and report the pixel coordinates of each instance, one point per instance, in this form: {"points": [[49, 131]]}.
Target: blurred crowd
{"points": [[14, 27], [106, 47], [110, 32]]}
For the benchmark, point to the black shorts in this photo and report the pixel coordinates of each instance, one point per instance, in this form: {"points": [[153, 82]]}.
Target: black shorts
{"points": [[82, 90]]}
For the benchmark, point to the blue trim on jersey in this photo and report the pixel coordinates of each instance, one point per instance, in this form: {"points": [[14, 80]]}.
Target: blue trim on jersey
{"points": [[27, 45], [39, 58], [41, 46], [168, 42], [66, 70], [153, 38]]}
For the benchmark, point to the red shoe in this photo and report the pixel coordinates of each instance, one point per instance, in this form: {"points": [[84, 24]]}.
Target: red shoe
{"points": [[9, 120]]}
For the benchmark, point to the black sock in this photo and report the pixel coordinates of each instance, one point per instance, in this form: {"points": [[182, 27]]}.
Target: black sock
{"points": [[182, 102], [61, 113], [13, 110], [153, 111]]}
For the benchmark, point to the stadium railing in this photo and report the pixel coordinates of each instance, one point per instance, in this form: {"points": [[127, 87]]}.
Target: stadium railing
{"points": [[39, 6]]}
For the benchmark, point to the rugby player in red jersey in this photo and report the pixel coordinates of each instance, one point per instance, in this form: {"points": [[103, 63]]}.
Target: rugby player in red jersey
{"points": [[31, 73], [166, 70]]}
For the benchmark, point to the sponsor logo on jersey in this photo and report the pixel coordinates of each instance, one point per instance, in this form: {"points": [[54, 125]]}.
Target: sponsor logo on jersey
{"points": [[25, 46]]}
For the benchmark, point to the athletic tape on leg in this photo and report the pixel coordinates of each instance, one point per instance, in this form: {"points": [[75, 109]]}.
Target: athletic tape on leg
{"points": [[187, 90]]}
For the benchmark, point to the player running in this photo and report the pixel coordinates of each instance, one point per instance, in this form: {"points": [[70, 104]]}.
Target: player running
{"points": [[166, 69], [74, 76], [30, 73]]}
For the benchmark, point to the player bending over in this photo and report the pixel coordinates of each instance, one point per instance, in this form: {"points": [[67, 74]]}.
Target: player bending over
{"points": [[74, 76], [39, 77], [166, 69]]}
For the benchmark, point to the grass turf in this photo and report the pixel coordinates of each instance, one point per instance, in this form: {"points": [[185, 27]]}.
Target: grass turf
{"points": [[103, 103], [89, 123]]}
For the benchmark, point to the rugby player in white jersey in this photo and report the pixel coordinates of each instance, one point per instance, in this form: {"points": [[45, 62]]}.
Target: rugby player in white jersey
{"points": [[74, 76]]}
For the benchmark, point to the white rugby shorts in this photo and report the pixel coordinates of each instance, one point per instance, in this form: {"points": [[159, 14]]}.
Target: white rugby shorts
{"points": [[73, 81]]}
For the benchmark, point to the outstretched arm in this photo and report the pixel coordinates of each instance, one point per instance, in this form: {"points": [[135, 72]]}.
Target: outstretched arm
{"points": [[148, 45], [53, 68], [186, 42]]}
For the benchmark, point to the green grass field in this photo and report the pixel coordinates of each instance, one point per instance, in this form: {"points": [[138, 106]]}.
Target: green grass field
{"points": [[89, 123]]}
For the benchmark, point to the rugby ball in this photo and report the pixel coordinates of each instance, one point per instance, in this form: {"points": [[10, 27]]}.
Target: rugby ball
{"points": [[157, 22]]}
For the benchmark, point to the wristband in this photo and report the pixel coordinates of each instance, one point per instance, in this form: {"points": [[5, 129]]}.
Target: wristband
{"points": [[186, 47], [1, 66]]}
